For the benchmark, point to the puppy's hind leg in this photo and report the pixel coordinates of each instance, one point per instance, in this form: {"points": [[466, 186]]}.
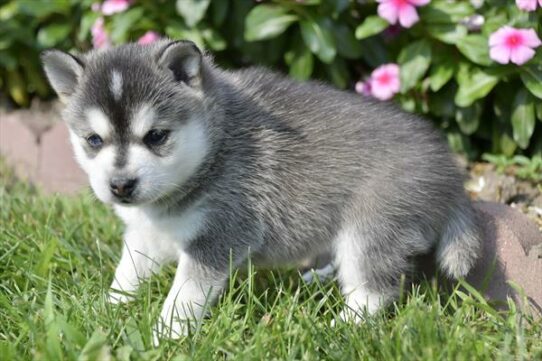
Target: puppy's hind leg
{"points": [[370, 263]]}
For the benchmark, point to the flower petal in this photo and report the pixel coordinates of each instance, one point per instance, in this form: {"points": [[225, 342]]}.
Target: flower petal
{"points": [[381, 92], [149, 37], [385, 81], [419, 2], [500, 53], [389, 12], [408, 16], [530, 38], [499, 36], [364, 87], [110, 7], [526, 5], [521, 54]]}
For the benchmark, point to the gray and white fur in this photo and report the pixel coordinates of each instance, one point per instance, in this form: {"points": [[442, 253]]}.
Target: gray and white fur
{"points": [[208, 167]]}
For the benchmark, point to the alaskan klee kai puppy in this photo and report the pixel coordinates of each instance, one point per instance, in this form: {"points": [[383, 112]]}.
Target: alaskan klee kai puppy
{"points": [[207, 166]]}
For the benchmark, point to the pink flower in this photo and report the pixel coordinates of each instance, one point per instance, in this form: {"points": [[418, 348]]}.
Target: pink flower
{"points": [[528, 5], [100, 38], [110, 7], [513, 45], [385, 82], [364, 87], [149, 37], [96, 7], [403, 11]]}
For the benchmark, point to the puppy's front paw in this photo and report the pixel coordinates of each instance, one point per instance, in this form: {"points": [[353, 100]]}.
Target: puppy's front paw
{"points": [[169, 328], [360, 304]]}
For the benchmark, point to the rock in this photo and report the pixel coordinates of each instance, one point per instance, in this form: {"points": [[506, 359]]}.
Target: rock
{"points": [[35, 143], [511, 252], [58, 170], [19, 146]]}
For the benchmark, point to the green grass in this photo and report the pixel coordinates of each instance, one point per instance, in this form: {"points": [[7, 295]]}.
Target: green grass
{"points": [[57, 257]]}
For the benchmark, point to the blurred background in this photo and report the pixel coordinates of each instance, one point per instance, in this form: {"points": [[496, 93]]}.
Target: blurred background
{"points": [[474, 68]]}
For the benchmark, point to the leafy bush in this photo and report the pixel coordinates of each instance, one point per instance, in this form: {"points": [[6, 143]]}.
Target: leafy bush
{"points": [[446, 71]]}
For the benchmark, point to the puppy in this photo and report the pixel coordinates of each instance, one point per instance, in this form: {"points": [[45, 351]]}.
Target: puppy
{"points": [[209, 167]]}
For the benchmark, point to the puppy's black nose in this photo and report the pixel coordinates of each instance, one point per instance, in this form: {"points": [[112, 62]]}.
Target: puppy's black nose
{"points": [[122, 187]]}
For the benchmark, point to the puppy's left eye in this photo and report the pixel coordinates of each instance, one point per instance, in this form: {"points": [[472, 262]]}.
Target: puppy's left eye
{"points": [[156, 137]]}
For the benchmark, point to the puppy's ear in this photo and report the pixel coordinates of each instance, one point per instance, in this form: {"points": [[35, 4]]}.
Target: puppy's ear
{"points": [[63, 71], [183, 60]]}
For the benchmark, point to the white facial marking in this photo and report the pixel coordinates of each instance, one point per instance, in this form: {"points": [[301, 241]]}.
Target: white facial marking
{"points": [[98, 169], [142, 120], [99, 122], [158, 176], [116, 85]]}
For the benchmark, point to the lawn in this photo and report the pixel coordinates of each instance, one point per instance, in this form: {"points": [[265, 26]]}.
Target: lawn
{"points": [[57, 257]]}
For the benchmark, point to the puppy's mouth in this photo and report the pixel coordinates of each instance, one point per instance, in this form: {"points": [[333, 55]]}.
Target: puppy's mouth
{"points": [[126, 201]]}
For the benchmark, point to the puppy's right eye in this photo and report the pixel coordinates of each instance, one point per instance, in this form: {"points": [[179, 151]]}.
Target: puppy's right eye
{"points": [[95, 141]]}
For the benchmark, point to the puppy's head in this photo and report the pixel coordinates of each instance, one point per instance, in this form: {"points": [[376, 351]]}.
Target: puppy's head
{"points": [[137, 116]]}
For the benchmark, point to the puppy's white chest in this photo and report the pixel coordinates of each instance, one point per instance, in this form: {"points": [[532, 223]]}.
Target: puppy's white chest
{"points": [[178, 229]]}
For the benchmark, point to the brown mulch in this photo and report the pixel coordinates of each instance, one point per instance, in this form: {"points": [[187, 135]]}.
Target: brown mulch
{"points": [[487, 184]]}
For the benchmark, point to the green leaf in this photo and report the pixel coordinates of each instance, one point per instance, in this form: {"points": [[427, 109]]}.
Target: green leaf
{"points": [[507, 144], [475, 48], [468, 118], [219, 10], [34, 77], [192, 11], [473, 85], [133, 334], [532, 78], [459, 143], [53, 34], [17, 87], [333, 7], [440, 75], [96, 348], [179, 31], [267, 21], [371, 26], [301, 62], [123, 353], [123, 22], [538, 110], [8, 61], [442, 104], [43, 9], [347, 45], [523, 118], [86, 23], [213, 39], [319, 39], [414, 61], [374, 52], [338, 72], [447, 33], [52, 341], [445, 12]]}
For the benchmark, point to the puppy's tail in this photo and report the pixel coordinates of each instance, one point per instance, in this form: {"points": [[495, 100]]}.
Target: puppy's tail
{"points": [[461, 242]]}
